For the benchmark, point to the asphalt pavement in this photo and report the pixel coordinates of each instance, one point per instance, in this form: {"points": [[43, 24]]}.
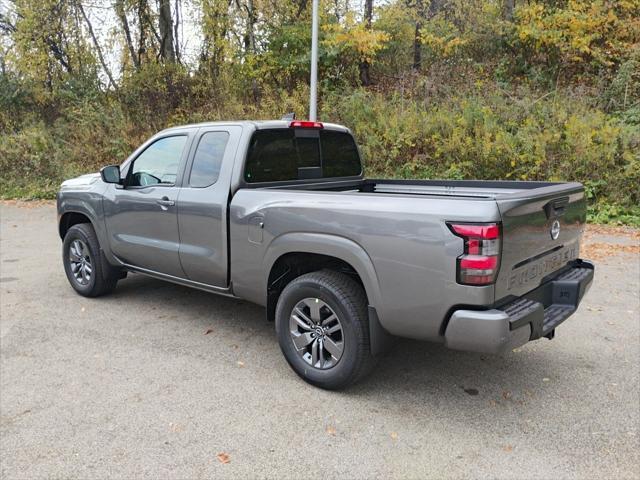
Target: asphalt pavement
{"points": [[160, 381]]}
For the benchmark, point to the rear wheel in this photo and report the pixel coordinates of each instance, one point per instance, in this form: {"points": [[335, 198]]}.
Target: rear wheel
{"points": [[87, 271], [323, 329]]}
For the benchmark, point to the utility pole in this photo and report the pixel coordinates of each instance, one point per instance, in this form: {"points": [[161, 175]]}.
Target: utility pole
{"points": [[313, 97]]}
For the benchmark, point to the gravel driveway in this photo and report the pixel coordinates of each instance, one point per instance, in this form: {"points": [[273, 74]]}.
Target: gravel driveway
{"points": [[159, 381]]}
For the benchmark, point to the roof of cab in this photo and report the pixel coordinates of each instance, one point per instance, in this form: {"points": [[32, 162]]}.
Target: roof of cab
{"points": [[257, 124]]}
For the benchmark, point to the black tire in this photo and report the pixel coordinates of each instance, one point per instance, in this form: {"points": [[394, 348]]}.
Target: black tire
{"points": [[103, 277], [348, 301]]}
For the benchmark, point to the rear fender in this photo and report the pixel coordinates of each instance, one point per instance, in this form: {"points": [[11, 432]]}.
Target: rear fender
{"points": [[331, 245]]}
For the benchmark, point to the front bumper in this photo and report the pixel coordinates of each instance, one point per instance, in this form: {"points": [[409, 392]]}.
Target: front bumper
{"points": [[532, 316]]}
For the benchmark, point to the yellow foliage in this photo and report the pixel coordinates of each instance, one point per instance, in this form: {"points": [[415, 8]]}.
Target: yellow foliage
{"points": [[600, 31], [355, 38], [442, 37]]}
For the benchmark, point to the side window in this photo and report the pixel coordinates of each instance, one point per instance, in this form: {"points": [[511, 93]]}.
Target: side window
{"points": [[272, 156], [340, 157], [208, 159], [159, 163]]}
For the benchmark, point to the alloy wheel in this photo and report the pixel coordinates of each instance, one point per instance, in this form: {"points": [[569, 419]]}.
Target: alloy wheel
{"points": [[80, 262], [316, 333]]}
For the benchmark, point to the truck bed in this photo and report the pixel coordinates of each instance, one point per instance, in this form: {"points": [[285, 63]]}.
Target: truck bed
{"points": [[487, 189], [528, 210]]}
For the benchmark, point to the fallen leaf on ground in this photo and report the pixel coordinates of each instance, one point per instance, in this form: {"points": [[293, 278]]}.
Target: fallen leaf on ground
{"points": [[241, 364], [176, 427], [508, 448], [27, 203], [394, 436], [595, 229], [331, 430], [601, 250], [223, 457]]}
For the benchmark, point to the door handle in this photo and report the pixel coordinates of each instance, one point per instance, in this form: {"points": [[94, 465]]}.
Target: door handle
{"points": [[164, 202], [556, 208]]}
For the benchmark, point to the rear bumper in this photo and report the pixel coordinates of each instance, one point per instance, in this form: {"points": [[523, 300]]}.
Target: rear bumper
{"points": [[534, 315]]}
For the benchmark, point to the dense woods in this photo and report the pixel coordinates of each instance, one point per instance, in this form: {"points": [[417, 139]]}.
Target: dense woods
{"points": [[539, 89]]}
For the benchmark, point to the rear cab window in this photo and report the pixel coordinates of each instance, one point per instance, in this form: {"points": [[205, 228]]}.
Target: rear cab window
{"points": [[289, 154]]}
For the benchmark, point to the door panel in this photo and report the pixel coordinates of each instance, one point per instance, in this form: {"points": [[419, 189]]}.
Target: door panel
{"points": [[141, 218], [143, 232], [202, 205]]}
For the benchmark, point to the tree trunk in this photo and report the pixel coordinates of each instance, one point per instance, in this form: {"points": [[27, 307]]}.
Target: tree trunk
{"points": [[122, 16], [215, 20], [176, 30], [417, 42], [435, 6], [365, 77], [250, 43], [508, 6], [249, 34], [167, 50], [302, 6], [143, 22]]}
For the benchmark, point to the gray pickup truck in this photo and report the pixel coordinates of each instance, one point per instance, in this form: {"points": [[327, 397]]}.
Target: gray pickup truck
{"points": [[279, 213]]}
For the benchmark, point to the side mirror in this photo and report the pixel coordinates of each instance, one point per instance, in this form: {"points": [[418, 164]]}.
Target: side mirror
{"points": [[111, 174]]}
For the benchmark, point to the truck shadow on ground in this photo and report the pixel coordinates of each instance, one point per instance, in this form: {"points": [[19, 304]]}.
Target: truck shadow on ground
{"points": [[426, 370]]}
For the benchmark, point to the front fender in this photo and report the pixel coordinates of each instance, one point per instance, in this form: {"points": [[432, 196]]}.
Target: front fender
{"points": [[89, 204], [325, 244]]}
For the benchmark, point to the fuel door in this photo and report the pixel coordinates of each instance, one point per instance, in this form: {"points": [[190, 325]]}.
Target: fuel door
{"points": [[256, 226]]}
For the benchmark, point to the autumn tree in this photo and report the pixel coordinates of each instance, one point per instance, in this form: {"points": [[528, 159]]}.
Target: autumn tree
{"points": [[365, 77], [165, 21]]}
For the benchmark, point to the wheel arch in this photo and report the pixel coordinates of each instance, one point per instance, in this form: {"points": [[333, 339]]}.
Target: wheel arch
{"points": [[70, 218], [294, 254]]}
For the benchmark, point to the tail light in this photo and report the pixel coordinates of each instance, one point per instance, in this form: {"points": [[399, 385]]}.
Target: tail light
{"points": [[305, 124], [481, 259]]}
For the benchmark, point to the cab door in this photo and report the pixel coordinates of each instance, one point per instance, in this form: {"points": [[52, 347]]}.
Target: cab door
{"points": [[141, 215], [202, 205]]}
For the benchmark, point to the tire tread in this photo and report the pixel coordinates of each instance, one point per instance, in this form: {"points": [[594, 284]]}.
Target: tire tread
{"points": [[350, 294], [106, 276]]}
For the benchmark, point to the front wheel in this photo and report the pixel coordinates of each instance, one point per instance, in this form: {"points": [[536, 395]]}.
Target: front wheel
{"points": [[323, 329], [88, 273]]}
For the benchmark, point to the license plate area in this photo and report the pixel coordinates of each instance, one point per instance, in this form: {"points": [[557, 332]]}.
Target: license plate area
{"points": [[530, 273]]}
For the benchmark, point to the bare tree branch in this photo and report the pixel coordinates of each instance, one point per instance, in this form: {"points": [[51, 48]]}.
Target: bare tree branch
{"points": [[97, 46], [176, 31], [5, 24], [122, 16]]}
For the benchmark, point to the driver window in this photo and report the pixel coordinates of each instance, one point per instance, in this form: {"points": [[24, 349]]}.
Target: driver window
{"points": [[158, 164]]}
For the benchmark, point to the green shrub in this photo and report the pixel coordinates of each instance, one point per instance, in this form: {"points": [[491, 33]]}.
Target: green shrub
{"points": [[477, 133], [493, 137], [30, 163]]}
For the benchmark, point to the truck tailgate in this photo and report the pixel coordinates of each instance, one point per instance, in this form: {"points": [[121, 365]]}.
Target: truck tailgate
{"points": [[541, 232]]}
